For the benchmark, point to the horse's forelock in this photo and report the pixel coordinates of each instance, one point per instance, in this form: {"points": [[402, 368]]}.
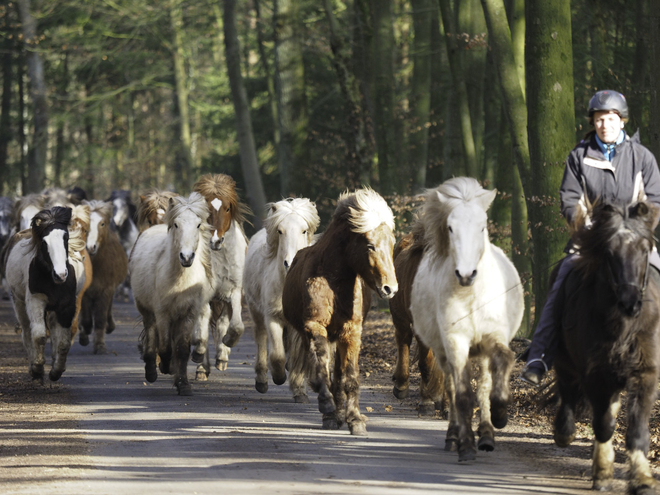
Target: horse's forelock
{"points": [[195, 203], [365, 210], [103, 208], [56, 217], [222, 186], [277, 212]]}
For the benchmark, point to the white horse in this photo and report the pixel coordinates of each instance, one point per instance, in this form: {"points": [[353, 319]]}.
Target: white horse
{"points": [[42, 267], [173, 283], [466, 303], [289, 227]]}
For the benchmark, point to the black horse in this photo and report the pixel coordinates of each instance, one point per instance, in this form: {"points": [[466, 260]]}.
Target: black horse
{"points": [[609, 329]]}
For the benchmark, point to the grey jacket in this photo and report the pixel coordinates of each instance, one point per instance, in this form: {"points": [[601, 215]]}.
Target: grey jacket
{"points": [[587, 171]]}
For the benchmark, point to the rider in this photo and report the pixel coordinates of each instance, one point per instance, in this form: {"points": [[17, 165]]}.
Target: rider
{"points": [[607, 165]]}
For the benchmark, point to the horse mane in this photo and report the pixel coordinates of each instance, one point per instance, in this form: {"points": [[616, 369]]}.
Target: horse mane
{"points": [[278, 211], [125, 196], [78, 229], [608, 220], [103, 208], [56, 217], [33, 199], [364, 210], [430, 228], [222, 186], [55, 196], [151, 201]]}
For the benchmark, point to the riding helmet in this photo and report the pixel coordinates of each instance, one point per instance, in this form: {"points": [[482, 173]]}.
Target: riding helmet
{"points": [[608, 100]]}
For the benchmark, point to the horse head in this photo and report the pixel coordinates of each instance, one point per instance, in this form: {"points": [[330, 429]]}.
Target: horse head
{"points": [[621, 239], [122, 207], [99, 222], [6, 212], [50, 237], [186, 220], [371, 244], [152, 207], [290, 226]]}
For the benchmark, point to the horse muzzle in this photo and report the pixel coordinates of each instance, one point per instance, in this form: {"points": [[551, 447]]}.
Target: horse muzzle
{"points": [[186, 260], [466, 280], [387, 291], [60, 278], [630, 300]]}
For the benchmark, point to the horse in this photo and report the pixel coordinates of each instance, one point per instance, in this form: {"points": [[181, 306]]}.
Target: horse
{"points": [[228, 246], [466, 303], [6, 215], [326, 297], [173, 283], [55, 196], [608, 327], [109, 265], [124, 216], [407, 255], [289, 226], [25, 209], [152, 207], [43, 284], [79, 229]]}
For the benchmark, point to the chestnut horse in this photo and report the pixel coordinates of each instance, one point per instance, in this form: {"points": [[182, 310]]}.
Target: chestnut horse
{"points": [[152, 207], [326, 297], [228, 246], [109, 264]]}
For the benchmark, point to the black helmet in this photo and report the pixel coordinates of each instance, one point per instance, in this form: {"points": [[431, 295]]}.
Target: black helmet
{"points": [[608, 100]]}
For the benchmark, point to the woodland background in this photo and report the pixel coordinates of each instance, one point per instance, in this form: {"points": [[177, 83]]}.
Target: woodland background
{"points": [[308, 98]]}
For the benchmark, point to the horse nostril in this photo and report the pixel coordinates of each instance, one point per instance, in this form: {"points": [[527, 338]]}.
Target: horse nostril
{"points": [[387, 290], [458, 274], [474, 274], [286, 264]]}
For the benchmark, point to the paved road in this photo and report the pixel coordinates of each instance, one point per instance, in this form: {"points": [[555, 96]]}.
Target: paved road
{"points": [[227, 438]]}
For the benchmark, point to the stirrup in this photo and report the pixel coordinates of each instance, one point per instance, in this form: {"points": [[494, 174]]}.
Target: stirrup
{"points": [[536, 361]]}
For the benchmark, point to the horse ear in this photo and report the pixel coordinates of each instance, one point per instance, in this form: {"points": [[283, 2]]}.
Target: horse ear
{"points": [[486, 198]]}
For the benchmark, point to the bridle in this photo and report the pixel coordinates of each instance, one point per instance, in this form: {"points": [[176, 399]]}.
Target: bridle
{"points": [[641, 289]]}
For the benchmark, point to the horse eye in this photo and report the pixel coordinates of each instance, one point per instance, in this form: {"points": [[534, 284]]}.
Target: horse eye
{"points": [[304, 231], [371, 247], [176, 226], [279, 231], [102, 224], [450, 230], [199, 225], [228, 209]]}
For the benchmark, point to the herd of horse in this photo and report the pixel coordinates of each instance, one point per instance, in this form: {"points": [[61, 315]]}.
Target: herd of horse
{"points": [[190, 267]]}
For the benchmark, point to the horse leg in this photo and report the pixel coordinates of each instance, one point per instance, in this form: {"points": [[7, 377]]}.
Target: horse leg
{"points": [[100, 321], [20, 309], [403, 335], [222, 322], [204, 368], [110, 321], [321, 382], [236, 327], [36, 313], [276, 354], [200, 334], [60, 338], [261, 363], [485, 430], [641, 396], [86, 319], [297, 363], [181, 333], [565, 419], [164, 340], [451, 438], [357, 423], [458, 365], [605, 411], [501, 364], [431, 389], [149, 344]]}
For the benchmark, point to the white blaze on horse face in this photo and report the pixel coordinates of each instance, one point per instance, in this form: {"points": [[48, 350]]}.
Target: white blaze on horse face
{"points": [[160, 213], [186, 236], [467, 238], [381, 246], [216, 240], [4, 224], [95, 220], [26, 216], [120, 212], [293, 236], [58, 254]]}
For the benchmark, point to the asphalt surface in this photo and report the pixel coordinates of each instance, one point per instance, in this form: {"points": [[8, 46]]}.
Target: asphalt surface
{"points": [[228, 438]]}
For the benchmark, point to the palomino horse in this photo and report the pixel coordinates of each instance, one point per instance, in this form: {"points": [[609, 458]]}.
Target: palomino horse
{"points": [[289, 227], [152, 207], [609, 338], [228, 246], [42, 281], [466, 303], [326, 297], [79, 230], [109, 265], [173, 283]]}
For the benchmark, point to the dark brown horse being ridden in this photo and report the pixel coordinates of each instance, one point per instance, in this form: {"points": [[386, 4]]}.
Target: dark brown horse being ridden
{"points": [[609, 337], [326, 297]]}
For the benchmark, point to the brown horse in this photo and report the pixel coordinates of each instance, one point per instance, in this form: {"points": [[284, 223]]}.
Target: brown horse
{"points": [[326, 297], [110, 267], [407, 256], [152, 208]]}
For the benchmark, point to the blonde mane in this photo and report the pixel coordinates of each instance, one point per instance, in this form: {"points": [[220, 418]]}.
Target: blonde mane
{"points": [[103, 208], [222, 186], [78, 230], [150, 202], [364, 210], [280, 210]]}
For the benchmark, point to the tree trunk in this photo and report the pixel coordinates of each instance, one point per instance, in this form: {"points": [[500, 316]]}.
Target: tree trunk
{"points": [[5, 105], [460, 94], [654, 144], [420, 99], [290, 94], [248, 151], [184, 172], [549, 62], [440, 84], [639, 89], [36, 175], [60, 145]]}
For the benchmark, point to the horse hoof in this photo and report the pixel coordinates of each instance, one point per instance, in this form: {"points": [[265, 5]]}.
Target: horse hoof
{"points": [[642, 490], [400, 393], [603, 486], [358, 429], [109, 330], [231, 338], [499, 415], [330, 424], [261, 387], [301, 399], [563, 440], [279, 380], [326, 406], [201, 376], [469, 454], [426, 410], [451, 445], [83, 339], [196, 357], [150, 373], [55, 375], [184, 389], [220, 365], [100, 349], [486, 443], [164, 368], [37, 371]]}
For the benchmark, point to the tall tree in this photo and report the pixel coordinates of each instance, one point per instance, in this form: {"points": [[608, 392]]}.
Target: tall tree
{"points": [[5, 106], [249, 161], [655, 82], [36, 174]]}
